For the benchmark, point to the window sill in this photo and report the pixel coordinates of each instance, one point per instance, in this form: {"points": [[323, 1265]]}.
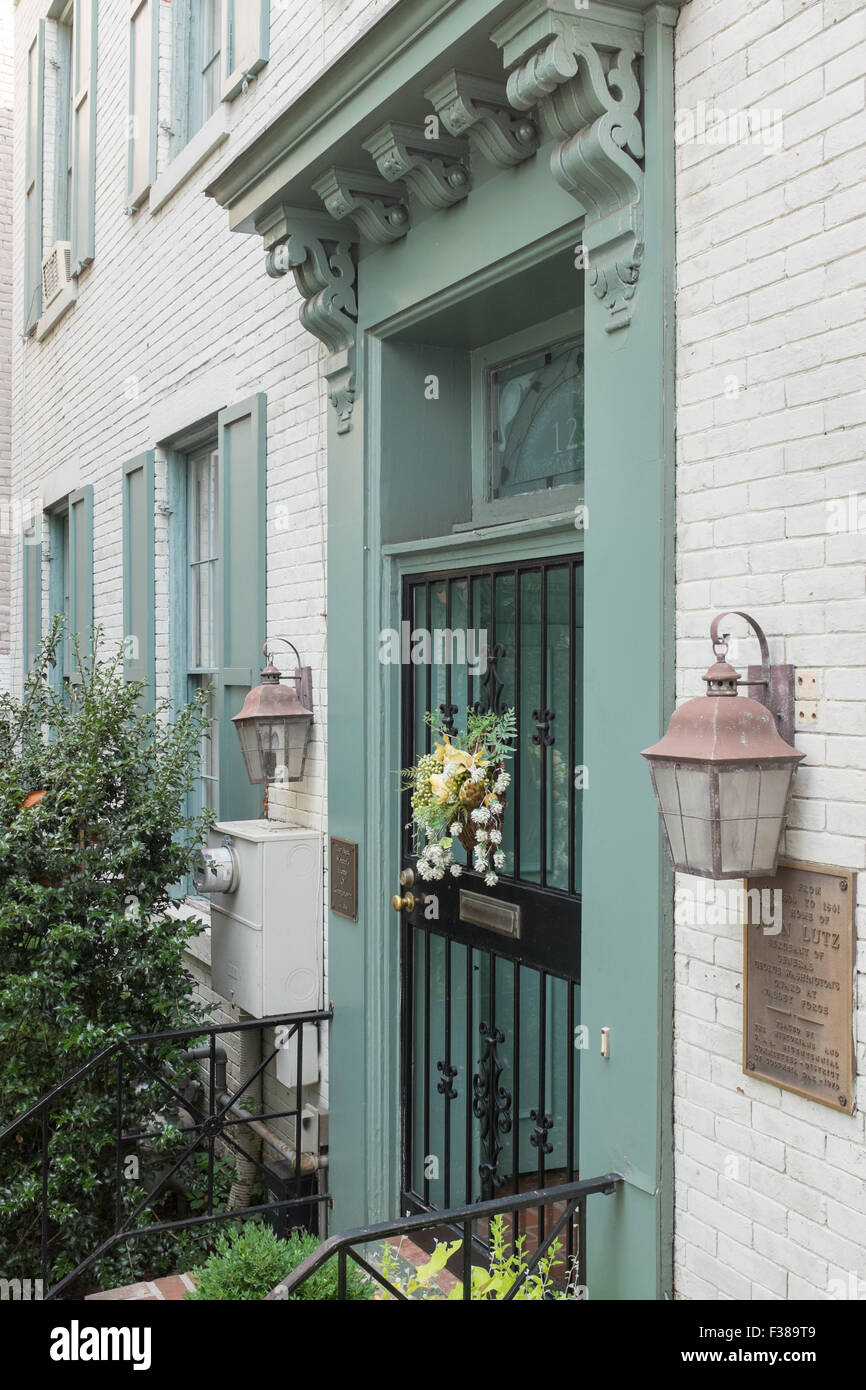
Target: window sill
{"points": [[55, 311], [212, 134]]}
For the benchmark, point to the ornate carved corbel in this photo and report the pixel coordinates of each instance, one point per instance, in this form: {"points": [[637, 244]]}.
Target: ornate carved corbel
{"points": [[435, 170], [325, 272], [378, 209], [584, 77], [478, 108]]}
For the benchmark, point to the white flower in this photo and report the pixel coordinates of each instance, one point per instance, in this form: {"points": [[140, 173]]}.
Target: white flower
{"points": [[423, 868], [455, 829], [437, 873], [502, 783], [494, 805], [496, 836], [481, 815], [481, 837], [499, 860], [476, 774], [434, 853], [490, 879], [456, 870]]}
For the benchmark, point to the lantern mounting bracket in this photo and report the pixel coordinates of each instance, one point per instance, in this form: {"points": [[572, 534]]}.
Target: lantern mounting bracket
{"points": [[303, 676], [773, 684]]}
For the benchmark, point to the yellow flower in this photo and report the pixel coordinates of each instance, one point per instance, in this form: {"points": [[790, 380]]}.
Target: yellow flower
{"points": [[441, 788]]}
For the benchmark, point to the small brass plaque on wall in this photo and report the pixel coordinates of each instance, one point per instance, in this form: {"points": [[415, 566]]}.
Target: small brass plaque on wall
{"points": [[344, 878], [798, 1009]]}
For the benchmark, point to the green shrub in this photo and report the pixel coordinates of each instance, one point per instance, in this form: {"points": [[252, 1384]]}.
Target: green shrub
{"points": [[90, 951], [248, 1263]]}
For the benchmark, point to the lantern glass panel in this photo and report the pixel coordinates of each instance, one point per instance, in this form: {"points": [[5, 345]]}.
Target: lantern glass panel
{"points": [[693, 785], [767, 837], [699, 844], [665, 779], [739, 791], [775, 785]]}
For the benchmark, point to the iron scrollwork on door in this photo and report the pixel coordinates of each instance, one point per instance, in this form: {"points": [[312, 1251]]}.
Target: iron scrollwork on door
{"points": [[543, 719], [492, 683], [492, 1106], [448, 712], [543, 1125], [445, 1086]]}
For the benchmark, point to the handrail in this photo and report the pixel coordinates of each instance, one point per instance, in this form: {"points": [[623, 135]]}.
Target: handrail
{"points": [[210, 1124], [573, 1194]]}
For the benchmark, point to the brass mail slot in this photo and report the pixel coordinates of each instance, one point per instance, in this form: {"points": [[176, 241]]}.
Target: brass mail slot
{"points": [[489, 913]]}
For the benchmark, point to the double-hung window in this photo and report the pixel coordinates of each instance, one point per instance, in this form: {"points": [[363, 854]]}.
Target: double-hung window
{"points": [[202, 513], [63, 124]]}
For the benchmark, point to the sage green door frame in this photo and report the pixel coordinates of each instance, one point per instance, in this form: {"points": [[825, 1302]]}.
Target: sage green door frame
{"points": [[625, 1102]]}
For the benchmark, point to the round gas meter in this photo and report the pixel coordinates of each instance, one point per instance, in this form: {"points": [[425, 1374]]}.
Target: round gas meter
{"points": [[215, 870]]}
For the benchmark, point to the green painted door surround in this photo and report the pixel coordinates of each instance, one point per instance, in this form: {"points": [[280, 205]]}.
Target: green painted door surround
{"points": [[555, 133]]}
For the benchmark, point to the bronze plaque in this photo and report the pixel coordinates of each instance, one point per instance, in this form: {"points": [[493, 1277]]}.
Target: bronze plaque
{"points": [[344, 878], [798, 1009]]}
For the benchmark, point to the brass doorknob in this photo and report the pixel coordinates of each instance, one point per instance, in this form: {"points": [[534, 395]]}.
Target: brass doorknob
{"points": [[404, 904]]}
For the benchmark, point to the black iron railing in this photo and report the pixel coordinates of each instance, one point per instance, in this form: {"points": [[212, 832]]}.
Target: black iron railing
{"points": [[570, 1198], [211, 1126]]}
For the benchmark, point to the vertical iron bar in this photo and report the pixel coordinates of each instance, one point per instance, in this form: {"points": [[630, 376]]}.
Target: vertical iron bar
{"points": [[542, 707], [542, 1085], [211, 1112], [446, 654], [470, 1068], [299, 1102], [428, 732], [446, 1157], [43, 1241], [572, 715], [407, 990], [426, 1063], [118, 1143], [569, 1140], [515, 1085], [341, 1275], [467, 1261], [516, 763]]}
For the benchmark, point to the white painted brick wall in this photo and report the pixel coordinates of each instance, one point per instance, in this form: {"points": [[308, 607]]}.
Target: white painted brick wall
{"points": [[170, 300], [6, 524], [770, 1188]]}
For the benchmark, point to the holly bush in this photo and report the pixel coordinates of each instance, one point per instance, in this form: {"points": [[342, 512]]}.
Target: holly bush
{"points": [[89, 950]]}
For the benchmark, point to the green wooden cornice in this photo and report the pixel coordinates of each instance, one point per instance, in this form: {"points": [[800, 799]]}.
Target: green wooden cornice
{"points": [[355, 153]]}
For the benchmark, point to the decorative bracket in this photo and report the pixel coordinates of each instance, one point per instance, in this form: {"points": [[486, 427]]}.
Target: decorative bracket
{"points": [[323, 264], [478, 108], [379, 210], [436, 171], [583, 75]]}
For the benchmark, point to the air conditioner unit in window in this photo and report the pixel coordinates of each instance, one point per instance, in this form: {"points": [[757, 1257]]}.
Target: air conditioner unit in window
{"points": [[56, 271]]}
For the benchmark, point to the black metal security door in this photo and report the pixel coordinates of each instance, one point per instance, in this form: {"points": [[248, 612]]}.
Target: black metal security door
{"points": [[490, 976]]}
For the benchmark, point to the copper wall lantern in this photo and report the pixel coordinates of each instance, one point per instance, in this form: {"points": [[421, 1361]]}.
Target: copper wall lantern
{"points": [[723, 772], [274, 723]]}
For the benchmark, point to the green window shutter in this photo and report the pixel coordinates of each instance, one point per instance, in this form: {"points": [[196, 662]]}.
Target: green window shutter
{"points": [[80, 572], [33, 180], [245, 42], [143, 84], [32, 593], [139, 620], [242, 601], [82, 212]]}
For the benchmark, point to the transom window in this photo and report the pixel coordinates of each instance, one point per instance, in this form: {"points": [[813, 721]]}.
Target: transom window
{"points": [[535, 407]]}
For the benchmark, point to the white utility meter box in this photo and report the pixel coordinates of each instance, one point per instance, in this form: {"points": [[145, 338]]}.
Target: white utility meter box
{"points": [[265, 951]]}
